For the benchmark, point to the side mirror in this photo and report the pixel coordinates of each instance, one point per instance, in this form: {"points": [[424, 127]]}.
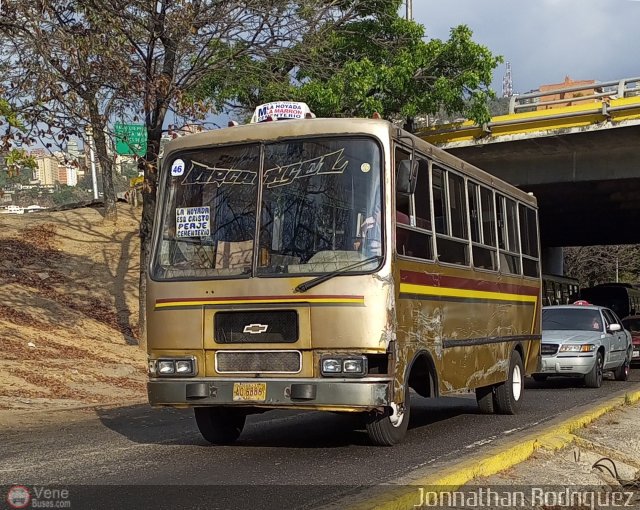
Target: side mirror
{"points": [[406, 177], [614, 327]]}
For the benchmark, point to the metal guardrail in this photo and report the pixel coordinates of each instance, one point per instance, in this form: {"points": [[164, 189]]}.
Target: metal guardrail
{"points": [[616, 89]]}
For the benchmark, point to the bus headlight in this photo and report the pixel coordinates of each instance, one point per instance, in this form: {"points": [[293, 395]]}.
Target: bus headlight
{"points": [[166, 367], [353, 366], [331, 366], [184, 366], [177, 367], [345, 366]]}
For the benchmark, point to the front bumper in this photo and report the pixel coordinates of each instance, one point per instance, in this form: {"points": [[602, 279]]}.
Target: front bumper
{"points": [[568, 365], [363, 394]]}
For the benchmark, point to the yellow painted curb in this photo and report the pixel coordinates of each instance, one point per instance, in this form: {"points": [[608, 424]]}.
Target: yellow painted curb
{"points": [[552, 437]]}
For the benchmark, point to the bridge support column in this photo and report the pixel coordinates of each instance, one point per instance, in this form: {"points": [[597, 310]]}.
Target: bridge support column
{"points": [[553, 260]]}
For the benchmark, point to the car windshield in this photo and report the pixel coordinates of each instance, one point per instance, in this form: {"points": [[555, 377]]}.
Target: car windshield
{"points": [[632, 324], [580, 319], [319, 211]]}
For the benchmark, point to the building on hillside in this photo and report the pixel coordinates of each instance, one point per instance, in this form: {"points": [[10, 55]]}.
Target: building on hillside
{"points": [[572, 96], [67, 174], [46, 171], [73, 152]]}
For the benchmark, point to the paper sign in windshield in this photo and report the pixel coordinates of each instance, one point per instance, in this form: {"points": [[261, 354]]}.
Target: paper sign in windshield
{"points": [[193, 221]]}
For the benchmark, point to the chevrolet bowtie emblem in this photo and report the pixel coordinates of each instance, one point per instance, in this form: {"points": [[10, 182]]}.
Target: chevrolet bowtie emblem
{"points": [[254, 329]]}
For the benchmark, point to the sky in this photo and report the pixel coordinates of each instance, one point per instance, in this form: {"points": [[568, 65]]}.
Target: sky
{"points": [[545, 40]]}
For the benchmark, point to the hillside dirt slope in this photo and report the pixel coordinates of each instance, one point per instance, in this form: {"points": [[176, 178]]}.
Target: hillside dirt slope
{"points": [[69, 310]]}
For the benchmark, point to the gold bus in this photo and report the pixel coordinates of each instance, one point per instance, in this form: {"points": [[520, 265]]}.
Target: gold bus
{"points": [[333, 264]]}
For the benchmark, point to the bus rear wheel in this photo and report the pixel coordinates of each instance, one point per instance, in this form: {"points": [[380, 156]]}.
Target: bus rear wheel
{"points": [[485, 399], [390, 427], [508, 395], [220, 425]]}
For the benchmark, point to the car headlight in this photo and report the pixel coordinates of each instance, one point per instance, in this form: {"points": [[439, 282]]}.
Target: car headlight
{"points": [[577, 348], [346, 366]]}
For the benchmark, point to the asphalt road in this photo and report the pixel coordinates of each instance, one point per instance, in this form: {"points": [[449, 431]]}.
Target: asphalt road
{"points": [[283, 459]]}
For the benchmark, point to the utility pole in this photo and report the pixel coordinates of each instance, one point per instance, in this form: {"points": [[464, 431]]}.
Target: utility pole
{"points": [[410, 125], [89, 131], [507, 82]]}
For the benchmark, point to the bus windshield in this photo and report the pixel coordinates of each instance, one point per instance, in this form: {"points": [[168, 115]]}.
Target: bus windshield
{"points": [[319, 209]]}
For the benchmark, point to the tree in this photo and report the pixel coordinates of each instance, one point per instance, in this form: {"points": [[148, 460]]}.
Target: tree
{"points": [[77, 62], [378, 63], [172, 46], [58, 68], [592, 265]]}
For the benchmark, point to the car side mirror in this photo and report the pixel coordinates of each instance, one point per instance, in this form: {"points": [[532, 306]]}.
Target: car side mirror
{"points": [[406, 177], [614, 327]]}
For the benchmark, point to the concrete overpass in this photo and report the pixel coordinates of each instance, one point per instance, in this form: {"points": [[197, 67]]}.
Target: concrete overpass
{"points": [[577, 149]]}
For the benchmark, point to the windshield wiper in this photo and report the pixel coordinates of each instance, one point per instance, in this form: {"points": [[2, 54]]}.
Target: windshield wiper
{"points": [[303, 287]]}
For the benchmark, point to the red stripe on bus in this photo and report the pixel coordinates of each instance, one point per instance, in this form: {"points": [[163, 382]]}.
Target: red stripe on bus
{"points": [[456, 282]]}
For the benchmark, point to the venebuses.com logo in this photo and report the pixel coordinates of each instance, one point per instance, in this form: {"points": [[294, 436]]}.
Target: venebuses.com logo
{"points": [[18, 496]]}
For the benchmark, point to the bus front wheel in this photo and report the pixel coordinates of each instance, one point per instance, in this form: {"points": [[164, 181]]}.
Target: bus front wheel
{"points": [[220, 425], [390, 427]]}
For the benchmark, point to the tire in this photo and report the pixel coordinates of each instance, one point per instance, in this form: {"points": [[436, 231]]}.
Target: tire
{"points": [[622, 372], [220, 425], [539, 377], [485, 399], [386, 429], [594, 378], [508, 395]]}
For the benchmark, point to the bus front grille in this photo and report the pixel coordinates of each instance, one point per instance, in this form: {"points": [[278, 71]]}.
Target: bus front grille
{"points": [[266, 362], [272, 326], [549, 349]]}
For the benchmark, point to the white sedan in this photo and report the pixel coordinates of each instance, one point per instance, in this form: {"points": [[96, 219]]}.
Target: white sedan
{"points": [[585, 341]]}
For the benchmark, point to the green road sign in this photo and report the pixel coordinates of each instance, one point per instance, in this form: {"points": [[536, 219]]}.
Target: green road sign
{"points": [[131, 139]]}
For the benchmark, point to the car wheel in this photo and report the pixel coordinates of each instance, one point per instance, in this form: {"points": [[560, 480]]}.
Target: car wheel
{"points": [[594, 378], [390, 427], [508, 395], [220, 425], [485, 399], [539, 377], [622, 372]]}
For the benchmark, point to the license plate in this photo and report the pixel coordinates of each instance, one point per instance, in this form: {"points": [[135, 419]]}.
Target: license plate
{"points": [[255, 392], [636, 354]]}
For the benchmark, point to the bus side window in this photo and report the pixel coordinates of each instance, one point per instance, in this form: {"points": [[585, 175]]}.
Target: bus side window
{"points": [[529, 244], [450, 209], [482, 226], [508, 239], [413, 214]]}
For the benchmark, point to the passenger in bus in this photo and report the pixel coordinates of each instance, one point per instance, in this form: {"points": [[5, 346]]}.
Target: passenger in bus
{"points": [[371, 227], [370, 234]]}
